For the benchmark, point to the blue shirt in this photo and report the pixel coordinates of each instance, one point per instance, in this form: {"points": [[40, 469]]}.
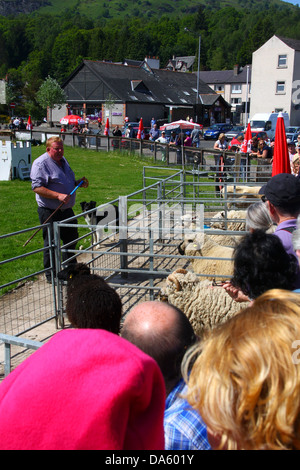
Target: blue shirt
{"points": [[47, 173], [287, 241], [183, 426]]}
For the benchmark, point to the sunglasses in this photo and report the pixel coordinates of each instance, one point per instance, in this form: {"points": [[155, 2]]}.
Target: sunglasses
{"points": [[263, 199]]}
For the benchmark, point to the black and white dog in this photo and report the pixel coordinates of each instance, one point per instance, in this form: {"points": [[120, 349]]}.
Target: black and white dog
{"points": [[103, 217]]}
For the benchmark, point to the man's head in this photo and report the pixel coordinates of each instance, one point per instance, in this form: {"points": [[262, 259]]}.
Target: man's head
{"points": [[163, 332], [55, 148], [282, 192]]}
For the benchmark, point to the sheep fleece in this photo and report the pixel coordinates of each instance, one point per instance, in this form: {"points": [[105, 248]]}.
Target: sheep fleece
{"points": [[204, 305]]}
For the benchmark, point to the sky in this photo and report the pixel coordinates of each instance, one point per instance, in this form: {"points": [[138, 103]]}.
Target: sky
{"points": [[294, 2]]}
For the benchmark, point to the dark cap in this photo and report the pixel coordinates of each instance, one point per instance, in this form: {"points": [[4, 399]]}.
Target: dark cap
{"points": [[282, 190]]}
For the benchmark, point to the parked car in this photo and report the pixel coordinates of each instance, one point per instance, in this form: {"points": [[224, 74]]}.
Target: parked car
{"points": [[292, 133], [234, 132], [215, 130], [260, 135]]}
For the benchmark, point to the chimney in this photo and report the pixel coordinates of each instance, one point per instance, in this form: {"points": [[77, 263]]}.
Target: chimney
{"points": [[236, 70]]}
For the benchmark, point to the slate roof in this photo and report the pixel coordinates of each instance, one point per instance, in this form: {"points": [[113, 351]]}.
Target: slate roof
{"points": [[225, 76], [293, 43], [135, 84]]}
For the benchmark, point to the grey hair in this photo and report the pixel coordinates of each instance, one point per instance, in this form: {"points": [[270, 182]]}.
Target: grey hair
{"points": [[296, 236], [258, 218]]}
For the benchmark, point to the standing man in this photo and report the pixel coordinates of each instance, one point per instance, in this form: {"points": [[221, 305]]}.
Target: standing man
{"points": [[196, 137], [281, 195], [52, 180], [162, 139]]}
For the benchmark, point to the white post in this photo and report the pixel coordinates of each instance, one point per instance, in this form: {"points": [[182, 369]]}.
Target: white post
{"points": [[247, 91]]}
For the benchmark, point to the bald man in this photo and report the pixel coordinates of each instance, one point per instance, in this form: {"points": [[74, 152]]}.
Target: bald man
{"points": [[163, 332]]}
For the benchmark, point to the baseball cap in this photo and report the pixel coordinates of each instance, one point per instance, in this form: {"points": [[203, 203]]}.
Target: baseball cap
{"points": [[282, 189]]}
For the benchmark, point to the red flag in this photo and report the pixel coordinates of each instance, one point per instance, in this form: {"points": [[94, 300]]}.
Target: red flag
{"points": [[106, 130], [281, 159], [141, 132], [246, 145]]}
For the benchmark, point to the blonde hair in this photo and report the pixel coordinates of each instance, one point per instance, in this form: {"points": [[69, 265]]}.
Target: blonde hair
{"points": [[245, 381], [50, 141]]}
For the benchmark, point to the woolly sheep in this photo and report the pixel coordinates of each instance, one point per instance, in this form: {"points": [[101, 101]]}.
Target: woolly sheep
{"points": [[204, 246], [222, 222], [204, 304], [241, 193]]}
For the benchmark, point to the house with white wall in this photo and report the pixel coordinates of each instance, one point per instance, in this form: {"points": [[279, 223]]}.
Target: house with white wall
{"points": [[275, 81], [235, 87]]}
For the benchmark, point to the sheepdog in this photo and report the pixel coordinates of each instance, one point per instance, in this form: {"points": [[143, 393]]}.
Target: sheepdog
{"points": [[102, 217]]}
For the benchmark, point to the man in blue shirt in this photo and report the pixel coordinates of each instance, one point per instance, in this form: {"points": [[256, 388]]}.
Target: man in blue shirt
{"points": [[163, 332], [52, 180], [282, 198]]}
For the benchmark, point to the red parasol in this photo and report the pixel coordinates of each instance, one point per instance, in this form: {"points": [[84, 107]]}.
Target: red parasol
{"points": [[29, 124], [141, 132], [106, 130], [246, 145], [281, 160], [180, 124], [72, 119]]}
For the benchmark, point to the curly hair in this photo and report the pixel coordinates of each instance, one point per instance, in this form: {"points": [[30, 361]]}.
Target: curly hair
{"points": [[245, 380], [261, 263], [91, 301]]}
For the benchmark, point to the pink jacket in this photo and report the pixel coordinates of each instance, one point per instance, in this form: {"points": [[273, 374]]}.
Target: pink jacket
{"points": [[84, 389]]}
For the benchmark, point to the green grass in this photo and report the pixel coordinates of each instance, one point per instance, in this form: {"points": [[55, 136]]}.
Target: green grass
{"points": [[109, 175]]}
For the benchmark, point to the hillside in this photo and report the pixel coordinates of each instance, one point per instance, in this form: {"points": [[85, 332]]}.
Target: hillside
{"points": [[107, 9]]}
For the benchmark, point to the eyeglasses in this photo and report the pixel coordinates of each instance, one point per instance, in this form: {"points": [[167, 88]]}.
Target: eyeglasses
{"points": [[263, 199]]}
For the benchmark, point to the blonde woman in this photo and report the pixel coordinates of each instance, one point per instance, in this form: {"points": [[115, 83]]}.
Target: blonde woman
{"points": [[245, 380]]}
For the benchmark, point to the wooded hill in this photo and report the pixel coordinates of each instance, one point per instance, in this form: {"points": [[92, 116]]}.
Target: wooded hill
{"points": [[52, 41]]}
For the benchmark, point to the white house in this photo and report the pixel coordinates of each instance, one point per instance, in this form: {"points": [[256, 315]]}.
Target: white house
{"points": [[235, 87], [275, 81]]}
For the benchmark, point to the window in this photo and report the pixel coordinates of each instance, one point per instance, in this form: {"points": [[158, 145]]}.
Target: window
{"points": [[236, 100], [282, 60], [219, 88], [280, 87], [237, 88]]}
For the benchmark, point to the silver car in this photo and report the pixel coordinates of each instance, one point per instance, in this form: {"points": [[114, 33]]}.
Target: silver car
{"points": [[233, 132], [292, 133]]}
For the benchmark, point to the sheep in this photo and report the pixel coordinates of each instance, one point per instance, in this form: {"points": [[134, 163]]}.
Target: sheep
{"points": [[90, 301], [205, 304], [224, 221], [203, 245], [240, 192]]}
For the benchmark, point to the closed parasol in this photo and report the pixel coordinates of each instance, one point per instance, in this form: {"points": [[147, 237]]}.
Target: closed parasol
{"points": [[281, 159], [141, 132], [106, 130]]}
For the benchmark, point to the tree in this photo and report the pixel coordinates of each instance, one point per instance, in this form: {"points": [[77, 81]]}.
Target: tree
{"points": [[50, 94]]}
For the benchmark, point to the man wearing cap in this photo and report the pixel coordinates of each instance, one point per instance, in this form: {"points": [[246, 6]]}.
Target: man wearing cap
{"points": [[282, 198], [162, 139]]}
